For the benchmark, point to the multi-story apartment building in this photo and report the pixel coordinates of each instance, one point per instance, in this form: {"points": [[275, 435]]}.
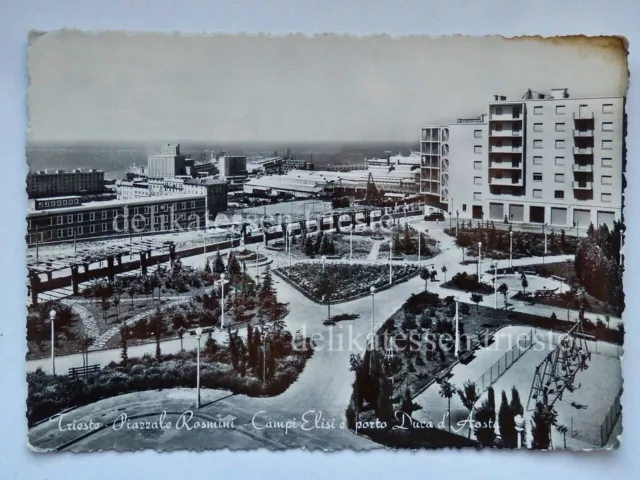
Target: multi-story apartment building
{"points": [[50, 221], [546, 159], [168, 163], [53, 183]]}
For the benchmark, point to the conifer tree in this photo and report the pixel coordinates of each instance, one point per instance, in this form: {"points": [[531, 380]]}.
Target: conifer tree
{"points": [[507, 424], [542, 421], [123, 341], [218, 264]]}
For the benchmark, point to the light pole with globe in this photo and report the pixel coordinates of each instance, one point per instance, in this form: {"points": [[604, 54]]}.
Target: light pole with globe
{"points": [[510, 248], [52, 317], [519, 420], [198, 336], [222, 281], [373, 310], [495, 284], [479, 259]]}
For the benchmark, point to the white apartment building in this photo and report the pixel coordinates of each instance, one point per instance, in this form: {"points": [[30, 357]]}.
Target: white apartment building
{"points": [[167, 164], [547, 159]]}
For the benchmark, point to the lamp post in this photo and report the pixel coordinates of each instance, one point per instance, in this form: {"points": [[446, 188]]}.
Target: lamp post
{"points": [[495, 285], [510, 248], [373, 309], [222, 300], [52, 317], [450, 220], [544, 230], [419, 249], [457, 221], [289, 243], [390, 264], [457, 346], [198, 336], [519, 420], [257, 267], [324, 259], [479, 259], [351, 244]]}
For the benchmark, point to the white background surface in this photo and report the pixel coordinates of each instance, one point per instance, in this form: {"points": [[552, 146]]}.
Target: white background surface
{"points": [[473, 17]]}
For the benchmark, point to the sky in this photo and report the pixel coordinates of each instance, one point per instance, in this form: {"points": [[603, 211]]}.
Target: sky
{"points": [[222, 88]]}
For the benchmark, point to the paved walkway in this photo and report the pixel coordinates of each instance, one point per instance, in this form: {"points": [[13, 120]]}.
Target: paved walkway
{"points": [[375, 249]]}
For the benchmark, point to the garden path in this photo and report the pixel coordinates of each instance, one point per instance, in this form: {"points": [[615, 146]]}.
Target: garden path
{"points": [[375, 249]]}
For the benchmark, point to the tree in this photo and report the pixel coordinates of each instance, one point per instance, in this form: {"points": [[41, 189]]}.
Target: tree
{"points": [[207, 266], [469, 396], [326, 287], [447, 390], [543, 418], [426, 276], [477, 298], [407, 406], [503, 289], [157, 332], [485, 429], [507, 423], [562, 429], [123, 341], [218, 264], [491, 398], [131, 292], [525, 284], [444, 271], [516, 404], [233, 265]]}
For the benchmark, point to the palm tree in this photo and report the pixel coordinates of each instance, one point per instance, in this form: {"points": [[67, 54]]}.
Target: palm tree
{"points": [[444, 270], [563, 430], [447, 390], [426, 276], [469, 396], [477, 298], [504, 291]]}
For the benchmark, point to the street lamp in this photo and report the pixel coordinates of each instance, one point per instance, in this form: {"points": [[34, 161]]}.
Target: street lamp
{"points": [[351, 244], [198, 336], [419, 246], [519, 420], [373, 309], [544, 230], [222, 301], [324, 259], [390, 264], [510, 248], [495, 284], [457, 219], [450, 220], [457, 345], [479, 259], [289, 242], [52, 317]]}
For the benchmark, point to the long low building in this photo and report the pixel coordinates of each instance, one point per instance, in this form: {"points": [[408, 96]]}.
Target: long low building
{"points": [[53, 222]]}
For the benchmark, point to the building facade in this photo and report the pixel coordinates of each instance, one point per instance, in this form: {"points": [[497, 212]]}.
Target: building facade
{"points": [[169, 163], [116, 218], [53, 183], [543, 159]]}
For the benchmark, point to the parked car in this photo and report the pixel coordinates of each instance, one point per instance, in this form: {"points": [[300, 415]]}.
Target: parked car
{"points": [[434, 216]]}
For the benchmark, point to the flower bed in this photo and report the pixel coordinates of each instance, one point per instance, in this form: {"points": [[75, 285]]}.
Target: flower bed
{"points": [[348, 280]]}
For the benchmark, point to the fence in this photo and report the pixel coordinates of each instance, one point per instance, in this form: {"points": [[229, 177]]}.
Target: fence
{"points": [[610, 420], [504, 363]]}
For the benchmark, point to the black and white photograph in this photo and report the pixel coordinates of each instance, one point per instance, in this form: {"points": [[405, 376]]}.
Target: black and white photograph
{"points": [[324, 242]]}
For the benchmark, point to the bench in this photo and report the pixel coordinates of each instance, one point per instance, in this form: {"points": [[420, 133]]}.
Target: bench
{"points": [[84, 371]]}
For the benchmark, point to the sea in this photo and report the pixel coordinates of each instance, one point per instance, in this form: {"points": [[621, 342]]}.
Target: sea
{"points": [[115, 158]]}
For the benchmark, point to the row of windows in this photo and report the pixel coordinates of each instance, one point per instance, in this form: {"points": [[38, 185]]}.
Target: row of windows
{"points": [[80, 217], [559, 194], [607, 109], [560, 144], [605, 162], [561, 127], [559, 178]]}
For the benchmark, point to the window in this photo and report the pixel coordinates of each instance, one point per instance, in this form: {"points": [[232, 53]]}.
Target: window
{"points": [[537, 160], [64, 203], [605, 198], [59, 203], [477, 180], [104, 215], [60, 233], [477, 165], [537, 144], [559, 177], [558, 194], [146, 210], [92, 229], [498, 110], [559, 161], [184, 204], [477, 196], [559, 109], [193, 204], [606, 180], [498, 127], [79, 230], [79, 217], [537, 110], [559, 144], [560, 127], [607, 162], [476, 149], [537, 193], [46, 204], [92, 216], [464, 207], [607, 126], [607, 108], [607, 145], [537, 127], [104, 227], [70, 232], [59, 221], [69, 218], [537, 177], [476, 134]]}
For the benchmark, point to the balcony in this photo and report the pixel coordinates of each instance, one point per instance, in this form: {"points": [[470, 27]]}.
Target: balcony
{"points": [[505, 181], [583, 185], [507, 149], [582, 168], [583, 133], [505, 166], [505, 117], [506, 133], [583, 150]]}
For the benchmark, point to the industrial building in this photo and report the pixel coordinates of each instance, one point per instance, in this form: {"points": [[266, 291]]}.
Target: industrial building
{"points": [[233, 170], [169, 163], [545, 158], [50, 221], [58, 182]]}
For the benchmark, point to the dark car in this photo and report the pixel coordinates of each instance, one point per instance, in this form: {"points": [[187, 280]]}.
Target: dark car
{"points": [[434, 216]]}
